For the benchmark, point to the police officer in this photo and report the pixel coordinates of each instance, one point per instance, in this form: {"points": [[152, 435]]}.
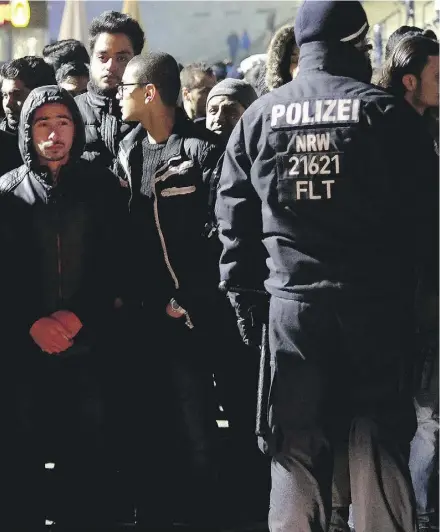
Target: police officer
{"points": [[335, 178]]}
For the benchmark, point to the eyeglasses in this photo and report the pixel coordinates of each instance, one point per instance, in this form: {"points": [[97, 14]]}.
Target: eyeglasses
{"points": [[121, 87]]}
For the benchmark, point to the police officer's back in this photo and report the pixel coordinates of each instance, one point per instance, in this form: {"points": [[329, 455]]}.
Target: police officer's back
{"points": [[339, 176]]}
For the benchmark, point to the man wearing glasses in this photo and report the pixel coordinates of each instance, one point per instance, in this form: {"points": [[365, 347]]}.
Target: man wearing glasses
{"points": [[168, 162], [114, 39]]}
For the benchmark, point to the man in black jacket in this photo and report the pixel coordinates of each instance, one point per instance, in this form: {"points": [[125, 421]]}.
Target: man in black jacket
{"points": [[114, 39], [338, 176], [9, 154], [19, 77], [59, 253], [412, 72], [168, 166]]}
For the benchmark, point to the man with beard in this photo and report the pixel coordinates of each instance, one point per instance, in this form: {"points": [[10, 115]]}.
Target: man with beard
{"points": [[114, 39], [60, 247], [412, 73], [19, 77], [334, 177]]}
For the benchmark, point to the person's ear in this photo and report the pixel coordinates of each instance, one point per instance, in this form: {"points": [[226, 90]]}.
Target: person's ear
{"points": [[150, 92], [409, 82]]}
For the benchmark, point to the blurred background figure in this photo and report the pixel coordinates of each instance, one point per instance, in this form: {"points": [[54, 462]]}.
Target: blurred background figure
{"points": [[233, 42], [197, 79], [65, 51], [219, 70], [19, 77], [73, 77]]}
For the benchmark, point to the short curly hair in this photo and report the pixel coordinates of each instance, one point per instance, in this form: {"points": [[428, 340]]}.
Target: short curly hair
{"points": [[115, 22], [279, 56]]}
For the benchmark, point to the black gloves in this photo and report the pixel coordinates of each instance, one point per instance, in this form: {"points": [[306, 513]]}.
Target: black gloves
{"points": [[251, 311]]}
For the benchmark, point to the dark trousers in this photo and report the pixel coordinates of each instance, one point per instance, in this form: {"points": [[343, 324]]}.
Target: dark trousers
{"points": [[57, 417], [244, 468], [341, 378], [164, 408]]}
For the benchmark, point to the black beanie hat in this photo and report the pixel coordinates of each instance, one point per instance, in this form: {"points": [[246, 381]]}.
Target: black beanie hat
{"points": [[238, 89], [330, 20]]}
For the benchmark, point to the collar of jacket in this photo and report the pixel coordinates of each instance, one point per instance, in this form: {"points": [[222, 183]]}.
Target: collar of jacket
{"points": [[109, 105], [174, 142], [338, 59]]}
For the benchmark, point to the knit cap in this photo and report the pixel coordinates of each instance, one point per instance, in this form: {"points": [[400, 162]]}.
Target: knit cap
{"points": [[330, 20], [236, 89]]}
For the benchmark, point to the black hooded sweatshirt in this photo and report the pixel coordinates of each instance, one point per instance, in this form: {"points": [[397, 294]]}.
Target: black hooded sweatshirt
{"points": [[60, 241]]}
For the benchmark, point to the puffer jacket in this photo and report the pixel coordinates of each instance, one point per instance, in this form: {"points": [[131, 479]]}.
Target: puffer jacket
{"points": [[60, 241], [104, 127], [9, 154], [179, 205]]}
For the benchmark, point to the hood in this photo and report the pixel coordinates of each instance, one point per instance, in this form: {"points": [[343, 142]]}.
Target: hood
{"points": [[37, 98], [336, 58]]}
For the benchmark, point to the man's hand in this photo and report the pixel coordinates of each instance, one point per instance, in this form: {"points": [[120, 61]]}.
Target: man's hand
{"points": [[50, 335], [69, 321], [252, 312]]}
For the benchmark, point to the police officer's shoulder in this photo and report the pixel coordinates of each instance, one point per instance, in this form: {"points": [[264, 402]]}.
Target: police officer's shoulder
{"points": [[252, 118]]}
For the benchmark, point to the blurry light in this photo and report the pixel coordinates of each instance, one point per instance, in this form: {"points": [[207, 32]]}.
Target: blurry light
{"points": [[20, 13]]}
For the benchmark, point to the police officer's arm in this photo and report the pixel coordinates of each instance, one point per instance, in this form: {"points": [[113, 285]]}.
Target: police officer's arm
{"points": [[238, 212]]}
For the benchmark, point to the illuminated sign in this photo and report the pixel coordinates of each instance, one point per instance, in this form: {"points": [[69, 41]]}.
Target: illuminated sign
{"points": [[17, 12]]}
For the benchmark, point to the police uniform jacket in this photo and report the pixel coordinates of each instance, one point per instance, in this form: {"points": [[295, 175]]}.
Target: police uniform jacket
{"points": [[334, 176]]}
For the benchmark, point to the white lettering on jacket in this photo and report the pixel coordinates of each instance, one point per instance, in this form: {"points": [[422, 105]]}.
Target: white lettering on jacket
{"points": [[311, 112]]}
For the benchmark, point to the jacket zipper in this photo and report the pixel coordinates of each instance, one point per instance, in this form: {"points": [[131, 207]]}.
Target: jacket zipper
{"points": [[59, 261], [60, 290], [188, 321], [162, 239]]}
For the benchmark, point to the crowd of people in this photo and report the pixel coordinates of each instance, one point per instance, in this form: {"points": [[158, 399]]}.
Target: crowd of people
{"points": [[182, 244]]}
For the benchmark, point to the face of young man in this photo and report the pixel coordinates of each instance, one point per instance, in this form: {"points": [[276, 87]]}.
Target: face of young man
{"points": [[222, 114], [131, 96], [194, 98], [52, 133], [110, 56], [427, 91], [14, 93]]}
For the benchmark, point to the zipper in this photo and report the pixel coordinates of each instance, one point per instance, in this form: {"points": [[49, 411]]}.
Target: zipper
{"points": [[60, 269], [162, 239], [58, 241]]}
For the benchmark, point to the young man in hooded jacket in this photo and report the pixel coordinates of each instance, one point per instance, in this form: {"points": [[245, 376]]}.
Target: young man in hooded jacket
{"points": [[59, 226]]}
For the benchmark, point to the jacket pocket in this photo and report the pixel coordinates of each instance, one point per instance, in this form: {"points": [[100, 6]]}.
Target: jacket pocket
{"points": [[177, 191]]}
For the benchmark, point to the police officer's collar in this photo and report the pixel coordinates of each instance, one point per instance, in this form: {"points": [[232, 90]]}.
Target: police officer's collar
{"points": [[336, 58]]}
